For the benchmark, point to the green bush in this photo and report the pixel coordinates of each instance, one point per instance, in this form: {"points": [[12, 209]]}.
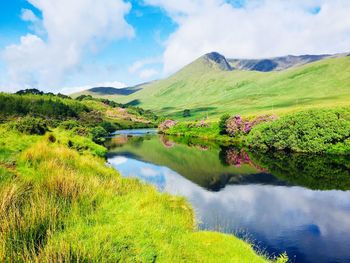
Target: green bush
{"points": [[109, 126], [222, 123], [186, 113], [69, 124], [31, 125], [317, 131], [99, 134]]}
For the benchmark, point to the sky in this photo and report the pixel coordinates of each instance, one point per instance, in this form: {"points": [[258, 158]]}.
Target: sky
{"points": [[67, 46]]}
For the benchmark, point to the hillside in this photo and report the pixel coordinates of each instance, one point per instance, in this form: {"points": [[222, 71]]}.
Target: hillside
{"points": [[107, 92], [207, 90]]}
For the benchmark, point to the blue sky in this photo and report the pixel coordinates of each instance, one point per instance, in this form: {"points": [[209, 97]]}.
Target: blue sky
{"points": [[112, 62], [67, 46]]}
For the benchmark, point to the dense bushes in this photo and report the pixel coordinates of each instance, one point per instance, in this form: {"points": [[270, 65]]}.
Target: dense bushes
{"points": [[98, 134], [31, 125], [40, 105], [317, 131]]}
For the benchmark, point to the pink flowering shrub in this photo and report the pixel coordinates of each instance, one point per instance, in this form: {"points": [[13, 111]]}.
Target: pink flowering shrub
{"points": [[167, 124], [202, 123], [236, 124]]}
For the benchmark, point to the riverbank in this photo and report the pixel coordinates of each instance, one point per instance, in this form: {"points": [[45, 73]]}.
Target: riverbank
{"points": [[60, 202], [311, 131]]}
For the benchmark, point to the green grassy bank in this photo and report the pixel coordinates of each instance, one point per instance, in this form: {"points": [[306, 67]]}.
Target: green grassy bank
{"points": [[310, 131], [59, 204]]}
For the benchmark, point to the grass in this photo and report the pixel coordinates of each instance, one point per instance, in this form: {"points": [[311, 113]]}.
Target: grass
{"points": [[209, 92], [61, 204]]}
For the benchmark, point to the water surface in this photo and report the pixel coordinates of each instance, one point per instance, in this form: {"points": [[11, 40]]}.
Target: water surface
{"points": [[294, 203]]}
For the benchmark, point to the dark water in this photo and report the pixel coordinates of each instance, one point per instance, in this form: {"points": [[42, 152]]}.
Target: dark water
{"points": [[294, 203]]}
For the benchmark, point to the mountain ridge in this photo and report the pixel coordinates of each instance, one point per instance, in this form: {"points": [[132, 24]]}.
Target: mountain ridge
{"points": [[209, 88]]}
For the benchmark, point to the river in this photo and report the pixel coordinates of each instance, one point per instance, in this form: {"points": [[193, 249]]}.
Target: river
{"points": [[294, 203]]}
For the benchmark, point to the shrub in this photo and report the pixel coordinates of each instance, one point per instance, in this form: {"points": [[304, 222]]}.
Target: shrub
{"points": [[109, 126], [69, 124], [167, 124], [234, 125], [99, 134], [91, 118], [237, 125], [81, 131], [186, 113], [31, 125], [222, 123], [202, 124], [315, 131]]}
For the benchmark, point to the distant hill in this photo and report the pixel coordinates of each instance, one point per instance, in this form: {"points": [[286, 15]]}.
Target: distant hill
{"points": [[213, 85], [112, 91], [277, 63], [108, 92]]}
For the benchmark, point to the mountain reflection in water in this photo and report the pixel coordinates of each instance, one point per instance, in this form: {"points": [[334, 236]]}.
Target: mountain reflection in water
{"points": [[283, 202]]}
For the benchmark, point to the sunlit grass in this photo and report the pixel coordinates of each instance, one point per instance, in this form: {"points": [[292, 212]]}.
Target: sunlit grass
{"points": [[59, 204]]}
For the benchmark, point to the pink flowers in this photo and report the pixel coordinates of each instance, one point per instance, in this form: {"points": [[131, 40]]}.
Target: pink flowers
{"points": [[167, 124], [237, 124], [202, 124]]}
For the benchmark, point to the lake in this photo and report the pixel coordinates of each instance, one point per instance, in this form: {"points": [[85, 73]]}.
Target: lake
{"points": [[298, 203]]}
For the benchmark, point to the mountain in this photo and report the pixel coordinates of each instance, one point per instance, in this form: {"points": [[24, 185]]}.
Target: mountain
{"points": [[213, 85], [277, 63], [108, 92], [215, 59], [113, 91]]}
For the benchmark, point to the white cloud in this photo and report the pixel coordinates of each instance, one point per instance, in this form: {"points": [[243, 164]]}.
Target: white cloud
{"points": [[36, 23], [259, 29], [148, 73], [139, 64], [71, 29], [28, 15], [140, 67], [112, 84]]}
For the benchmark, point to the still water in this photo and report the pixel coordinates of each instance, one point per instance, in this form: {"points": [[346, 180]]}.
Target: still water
{"points": [[294, 203]]}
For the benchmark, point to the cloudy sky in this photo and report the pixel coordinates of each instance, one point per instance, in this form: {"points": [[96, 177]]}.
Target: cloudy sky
{"points": [[70, 45]]}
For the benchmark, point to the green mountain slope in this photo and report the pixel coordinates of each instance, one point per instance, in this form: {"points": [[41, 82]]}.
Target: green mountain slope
{"points": [[207, 89], [106, 92]]}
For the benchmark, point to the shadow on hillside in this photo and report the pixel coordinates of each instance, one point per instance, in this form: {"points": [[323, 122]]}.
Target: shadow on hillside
{"points": [[133, 103], [197, 111]]}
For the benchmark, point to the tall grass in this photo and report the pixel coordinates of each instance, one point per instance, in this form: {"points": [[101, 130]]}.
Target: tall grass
{"points": [[66, 206]]}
